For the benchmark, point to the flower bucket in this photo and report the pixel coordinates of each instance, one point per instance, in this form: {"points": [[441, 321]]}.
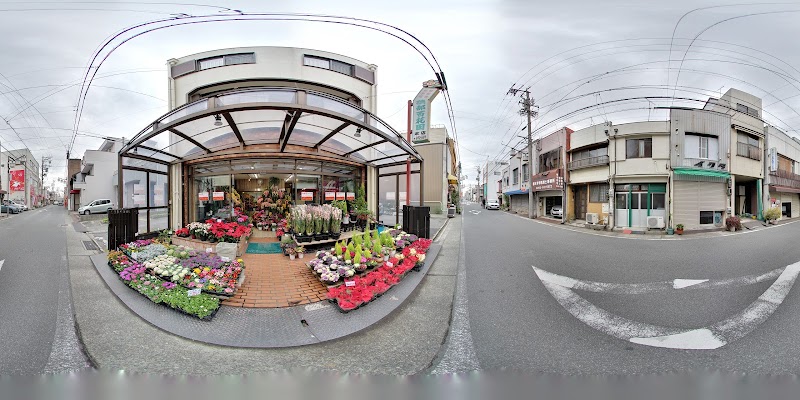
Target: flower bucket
{"points": [[291, 256], [300, 255]]}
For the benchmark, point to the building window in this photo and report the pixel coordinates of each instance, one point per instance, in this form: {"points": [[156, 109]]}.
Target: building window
{"points": [[525, 173], [747, 145], [706, 217], [550, 160], [329, 64], [639, 148], [211, 63], [785, 164], [228, 59], [590, 153], [701, 147], [747, 110], [658, 201], [515, 176], [598, 193]]}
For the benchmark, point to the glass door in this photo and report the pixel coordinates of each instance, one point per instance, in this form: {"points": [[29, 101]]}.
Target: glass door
{"points": [[621, 209]]}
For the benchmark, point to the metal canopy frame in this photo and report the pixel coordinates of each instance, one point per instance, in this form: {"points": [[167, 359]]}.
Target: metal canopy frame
{"points": [[185, 123]]}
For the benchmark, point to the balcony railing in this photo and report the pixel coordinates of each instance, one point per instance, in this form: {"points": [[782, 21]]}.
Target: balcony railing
{"points": [[748, 150], [588, 162], [785, 178]]}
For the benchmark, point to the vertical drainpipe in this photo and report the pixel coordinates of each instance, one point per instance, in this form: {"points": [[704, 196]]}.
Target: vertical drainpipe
{"points": [[765, 169]]}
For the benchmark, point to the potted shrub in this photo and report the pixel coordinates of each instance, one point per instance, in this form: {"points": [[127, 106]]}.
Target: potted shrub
{"points": [[292, 252], [300, 250], [733, 223], [679, 229], [772, 214]]}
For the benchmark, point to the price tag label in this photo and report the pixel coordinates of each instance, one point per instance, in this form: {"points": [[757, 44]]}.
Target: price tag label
{"points": [[225, 259], [390, 265], [349, 283], [193, 292], [209, 250]]}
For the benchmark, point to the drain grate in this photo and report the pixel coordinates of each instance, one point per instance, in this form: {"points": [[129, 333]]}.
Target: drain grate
{"points": [[89, 245]]}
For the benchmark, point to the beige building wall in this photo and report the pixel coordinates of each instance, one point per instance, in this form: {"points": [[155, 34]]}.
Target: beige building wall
{"points": [[434, 176]]}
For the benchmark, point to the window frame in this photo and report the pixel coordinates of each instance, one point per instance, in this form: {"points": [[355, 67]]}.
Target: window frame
{"points": [[598, 193], [641, 148], [515, 176], [700, 219]]}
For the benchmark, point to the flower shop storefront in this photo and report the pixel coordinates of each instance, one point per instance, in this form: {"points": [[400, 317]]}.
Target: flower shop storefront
{"points": [[257, 179]]}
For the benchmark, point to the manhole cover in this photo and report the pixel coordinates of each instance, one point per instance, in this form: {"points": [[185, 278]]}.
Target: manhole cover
{"points": [[89, 245]]}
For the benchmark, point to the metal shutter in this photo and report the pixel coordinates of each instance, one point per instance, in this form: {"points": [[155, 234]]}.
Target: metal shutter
{"points": [[689, 198]]}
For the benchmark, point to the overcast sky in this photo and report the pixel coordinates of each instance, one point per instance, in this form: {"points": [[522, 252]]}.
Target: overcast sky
{"points": [[574, 55]]}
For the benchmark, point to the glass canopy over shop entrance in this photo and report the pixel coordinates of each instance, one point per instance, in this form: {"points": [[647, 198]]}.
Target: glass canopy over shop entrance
{"points": [[311, 144]]}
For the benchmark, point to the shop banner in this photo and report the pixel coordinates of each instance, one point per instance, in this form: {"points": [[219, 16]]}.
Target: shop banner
{"points": [[351, 195], [218, 196], [340, 196], [549, 180], [202, 196], [330, 196], [306, 196], [18, 180]]}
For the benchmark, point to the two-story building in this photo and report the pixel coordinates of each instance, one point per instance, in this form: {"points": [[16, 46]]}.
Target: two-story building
{"points": [[97, 177], [550, 173], [587, 191], [783, 165]]}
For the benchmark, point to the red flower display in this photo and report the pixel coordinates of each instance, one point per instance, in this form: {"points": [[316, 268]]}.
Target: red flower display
{"points": [[379, 280]]}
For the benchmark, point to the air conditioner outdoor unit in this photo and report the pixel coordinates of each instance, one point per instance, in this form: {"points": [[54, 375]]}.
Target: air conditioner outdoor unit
{"points": [[592, 218], [655, 222]]}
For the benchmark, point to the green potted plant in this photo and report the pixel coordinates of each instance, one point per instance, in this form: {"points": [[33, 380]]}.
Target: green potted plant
{"points": [[679, 229], [772, 214]]}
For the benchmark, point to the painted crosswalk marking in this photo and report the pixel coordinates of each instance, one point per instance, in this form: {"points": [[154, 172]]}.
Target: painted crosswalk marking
{"points": [[714, 336]]}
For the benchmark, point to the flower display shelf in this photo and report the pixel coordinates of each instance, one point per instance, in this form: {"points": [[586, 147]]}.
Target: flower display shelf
{"points": [[201, 245], [342, 236], [340, 281]]}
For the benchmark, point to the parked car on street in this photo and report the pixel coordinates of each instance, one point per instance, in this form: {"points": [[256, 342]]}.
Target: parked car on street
{"points": [[98, 206], [21, 205], [10, 208], [492, 205], [557, 211]]}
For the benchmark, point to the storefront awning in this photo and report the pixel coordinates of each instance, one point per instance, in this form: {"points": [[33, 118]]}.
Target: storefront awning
{"points": [[784, 189], [279, 120], [515, 192], [452, 179], [701, 172]]}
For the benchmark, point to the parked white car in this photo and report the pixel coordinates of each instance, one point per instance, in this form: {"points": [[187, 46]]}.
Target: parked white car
{"points": [[16, 203], [98, 206], [492, 205], [557, 211]]}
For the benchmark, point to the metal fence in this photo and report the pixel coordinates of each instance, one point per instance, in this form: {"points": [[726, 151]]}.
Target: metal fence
{"points": [[587, 162], [123, 224]]}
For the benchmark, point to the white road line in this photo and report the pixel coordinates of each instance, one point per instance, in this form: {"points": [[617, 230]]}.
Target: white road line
{"points": [[682, 283], [1, 263], [650, 287], [703, 338]]}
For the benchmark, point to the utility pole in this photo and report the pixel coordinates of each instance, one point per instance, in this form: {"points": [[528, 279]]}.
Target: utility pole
{"points": [[528, 109], [45, 166]]}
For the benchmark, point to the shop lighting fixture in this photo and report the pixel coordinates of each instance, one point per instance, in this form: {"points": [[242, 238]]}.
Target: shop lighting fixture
{"points": [[217, 120], [290, 177], [358, 132]]}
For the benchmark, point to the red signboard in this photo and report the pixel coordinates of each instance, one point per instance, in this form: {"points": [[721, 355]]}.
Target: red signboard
{"points": [[550, 180], [351, 195], [306, 196], [18, 180], [218, 196], [340, 196], [330, 196], [202, 196]]}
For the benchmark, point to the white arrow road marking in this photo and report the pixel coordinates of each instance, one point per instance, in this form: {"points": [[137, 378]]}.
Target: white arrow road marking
{"points": [[650, 287], [704, 338], [1, 263], [475, 212]]}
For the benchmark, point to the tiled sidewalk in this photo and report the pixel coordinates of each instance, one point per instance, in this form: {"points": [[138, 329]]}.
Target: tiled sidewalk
{"points": [[272, 280]]}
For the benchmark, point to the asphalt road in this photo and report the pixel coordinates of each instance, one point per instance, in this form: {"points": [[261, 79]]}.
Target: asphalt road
{"points": [[517, 323], [34, 264]]}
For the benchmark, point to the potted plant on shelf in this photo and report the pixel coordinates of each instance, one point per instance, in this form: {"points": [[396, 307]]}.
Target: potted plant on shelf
{"points": [[679, 229], [772, 214], [292, 252], [300, 250], [336, 222]]}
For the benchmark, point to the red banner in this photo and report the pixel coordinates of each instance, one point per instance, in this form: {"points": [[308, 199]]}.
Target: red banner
{"points": [[330, 196], [306, 196], [17, 180]]}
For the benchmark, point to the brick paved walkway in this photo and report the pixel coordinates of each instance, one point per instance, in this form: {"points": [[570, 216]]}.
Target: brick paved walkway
{"points": [[272, 280]]}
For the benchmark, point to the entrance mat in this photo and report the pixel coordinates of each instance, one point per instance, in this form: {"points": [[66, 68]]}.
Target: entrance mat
{"points": [[264, 248]]}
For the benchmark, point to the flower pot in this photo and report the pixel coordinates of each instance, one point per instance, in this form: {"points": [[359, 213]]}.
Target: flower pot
{"points": [[291, 256], [335, 235], [679, 231], [670, 231], [300, 255]]}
